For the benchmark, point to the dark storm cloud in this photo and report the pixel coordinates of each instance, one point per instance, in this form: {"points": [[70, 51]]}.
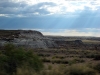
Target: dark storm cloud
{"points": [[22, 7], [6, 4], [10, 7], [37, 8], [45, 3]]}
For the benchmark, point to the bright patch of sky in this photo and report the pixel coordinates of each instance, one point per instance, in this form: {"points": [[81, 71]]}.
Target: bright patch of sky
{"points": [[46, 7], [73, 32], [77, 17]]}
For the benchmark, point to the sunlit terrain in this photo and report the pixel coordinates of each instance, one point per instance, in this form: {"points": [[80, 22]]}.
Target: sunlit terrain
{"points": [[49, 37], [60, 17]]}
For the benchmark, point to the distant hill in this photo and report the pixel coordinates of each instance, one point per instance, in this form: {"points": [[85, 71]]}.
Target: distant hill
{"points": [[26, 38], [35, 39]]}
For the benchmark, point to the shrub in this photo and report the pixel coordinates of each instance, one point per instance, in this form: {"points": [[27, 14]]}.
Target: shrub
{"points": [[76, 60], [60, 61], [80, 70], [70, 70], [46, 60], [97, 67], [12, 58], [97, 57], [49, 67]]}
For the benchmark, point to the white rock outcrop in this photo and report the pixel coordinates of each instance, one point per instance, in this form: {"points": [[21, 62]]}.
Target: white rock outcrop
{"points": [[31, 39]]}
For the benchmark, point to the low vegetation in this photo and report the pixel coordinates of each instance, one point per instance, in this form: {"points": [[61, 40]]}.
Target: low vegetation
{"points": [[13, 59], [19, 61]]}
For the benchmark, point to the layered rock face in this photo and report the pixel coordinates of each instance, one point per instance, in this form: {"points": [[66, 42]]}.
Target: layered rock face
{"points": [[26, 38]]}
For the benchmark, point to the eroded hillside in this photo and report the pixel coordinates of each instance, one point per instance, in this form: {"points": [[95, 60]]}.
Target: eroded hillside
{"points": [[35, 39], [26, 38]]}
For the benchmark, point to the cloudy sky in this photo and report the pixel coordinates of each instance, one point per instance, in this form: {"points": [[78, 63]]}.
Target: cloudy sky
{"points": [[52, 17]]}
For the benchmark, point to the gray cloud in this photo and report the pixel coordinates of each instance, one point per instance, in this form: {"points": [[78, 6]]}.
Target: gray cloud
{"points": [[21, 7], [10, 7], [12, 4], [45, 3], [36, 8]]}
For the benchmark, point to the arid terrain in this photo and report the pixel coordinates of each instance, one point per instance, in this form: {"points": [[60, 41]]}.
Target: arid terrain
{"points": [[57, 51]]}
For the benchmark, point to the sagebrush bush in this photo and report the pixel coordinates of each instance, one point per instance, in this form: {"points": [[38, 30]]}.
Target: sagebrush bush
{"points": [[75, 60], [75, 69], [97, 57], [97, 67], [12, 58], [80, 70]]}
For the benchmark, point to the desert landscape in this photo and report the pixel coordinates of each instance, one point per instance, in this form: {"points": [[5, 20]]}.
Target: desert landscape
{"points": [[49, 37], [60, 54]]}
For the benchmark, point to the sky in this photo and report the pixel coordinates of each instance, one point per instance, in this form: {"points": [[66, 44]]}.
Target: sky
{"points": [[52, 17]]}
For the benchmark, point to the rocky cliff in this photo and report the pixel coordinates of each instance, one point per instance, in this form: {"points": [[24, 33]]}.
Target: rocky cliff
{"points": [[26, 38], [35, 39]]}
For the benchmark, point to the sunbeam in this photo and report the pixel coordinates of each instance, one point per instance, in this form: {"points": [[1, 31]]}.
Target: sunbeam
{"points": [[58, 16]]}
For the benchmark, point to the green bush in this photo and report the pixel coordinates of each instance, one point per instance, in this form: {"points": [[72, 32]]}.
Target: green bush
{"points": [[49, 67], [12, 58], [97, 57], [97, 67], [76, 69], [76, 60], [80, 70]]}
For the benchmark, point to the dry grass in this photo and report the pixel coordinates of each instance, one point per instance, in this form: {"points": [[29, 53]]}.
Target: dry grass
{"points": [[91, 41]]}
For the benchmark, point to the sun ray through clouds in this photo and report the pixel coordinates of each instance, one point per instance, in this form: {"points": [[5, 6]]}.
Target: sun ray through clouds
{"points": [[67, 16]]}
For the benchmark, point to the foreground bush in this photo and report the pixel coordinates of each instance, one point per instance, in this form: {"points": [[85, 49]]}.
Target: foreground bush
{"points": [[80, 70], [97, 57], [76, 69], [97, 67], [13, 58]]}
